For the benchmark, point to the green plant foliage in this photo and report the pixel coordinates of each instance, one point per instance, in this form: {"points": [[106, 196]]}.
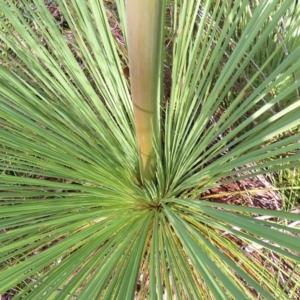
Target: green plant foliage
{"points": [[75, 222]]}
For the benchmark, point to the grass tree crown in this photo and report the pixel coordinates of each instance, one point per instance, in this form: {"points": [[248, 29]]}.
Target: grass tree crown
{"points": [[118, 188]]}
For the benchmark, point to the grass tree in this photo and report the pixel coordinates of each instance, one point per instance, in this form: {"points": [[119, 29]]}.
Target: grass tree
{"points": [[103, 182]]}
